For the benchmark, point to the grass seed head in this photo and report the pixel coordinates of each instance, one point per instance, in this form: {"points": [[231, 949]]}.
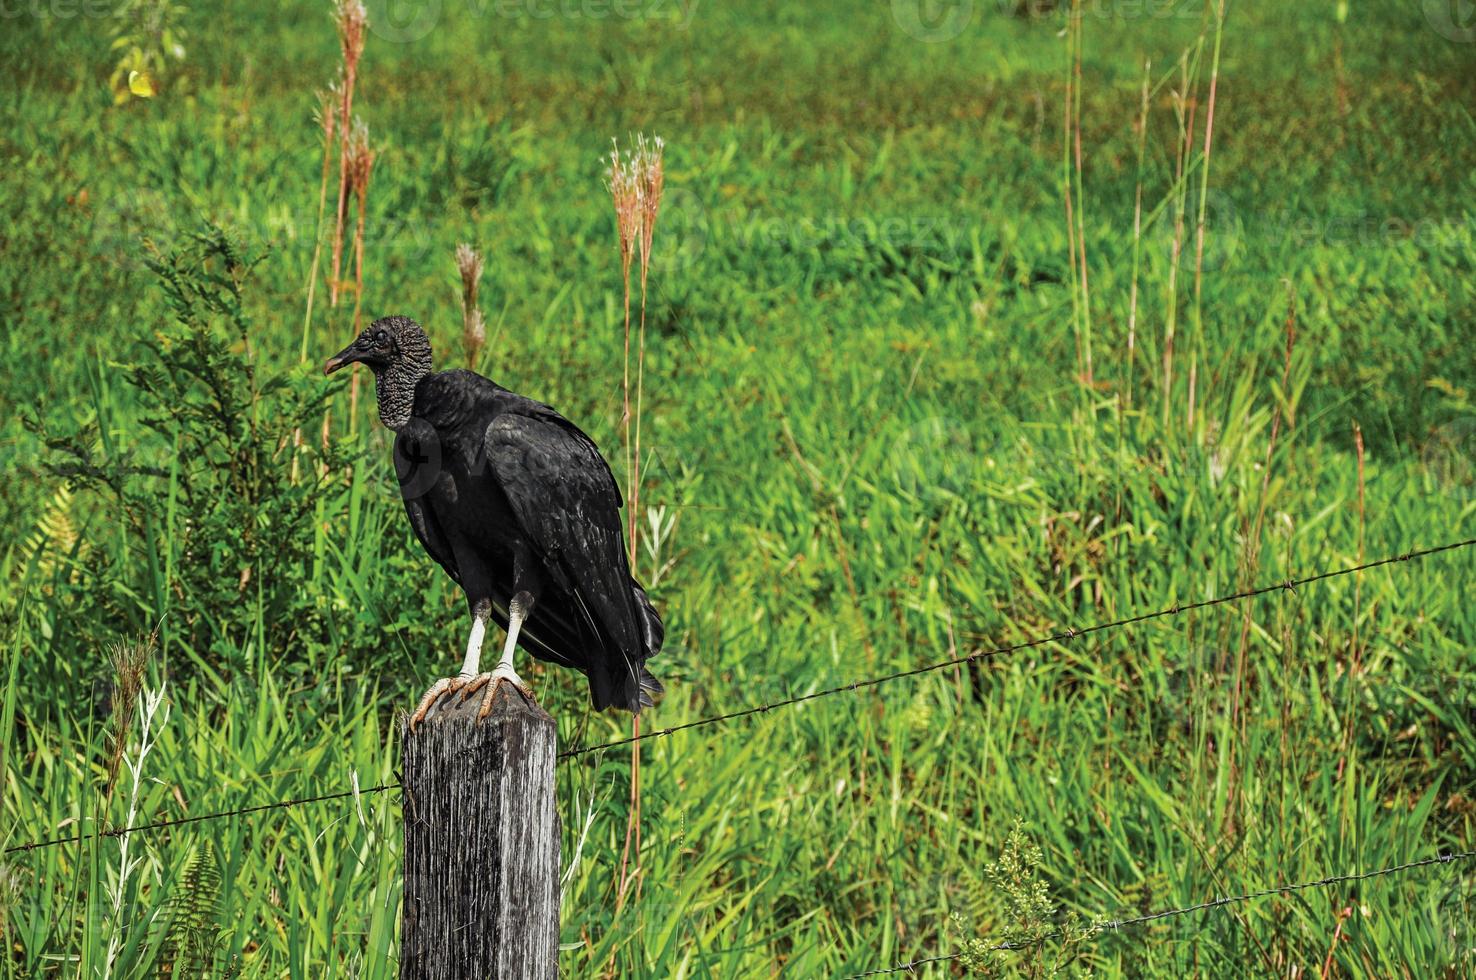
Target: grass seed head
{"points": [[474, 328], [130, 659], [360, 158], [626, 189], [651, 176], [326, 113], [351, 18]]}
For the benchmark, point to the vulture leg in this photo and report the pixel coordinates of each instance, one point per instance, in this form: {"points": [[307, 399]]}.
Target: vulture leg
{"points": [[481, 612], [517, 611]]}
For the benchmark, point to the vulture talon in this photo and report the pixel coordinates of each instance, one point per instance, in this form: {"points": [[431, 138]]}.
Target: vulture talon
{"points": [[502, 675], [473, 686], [444, 687]]}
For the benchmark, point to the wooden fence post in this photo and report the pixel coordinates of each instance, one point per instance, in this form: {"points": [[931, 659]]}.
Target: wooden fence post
{"points": [[481, 858]]}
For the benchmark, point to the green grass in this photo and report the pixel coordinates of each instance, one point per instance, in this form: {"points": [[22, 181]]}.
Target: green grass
{"points": [[873, 449]]}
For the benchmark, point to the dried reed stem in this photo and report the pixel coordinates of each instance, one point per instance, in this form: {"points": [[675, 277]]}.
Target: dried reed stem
{"points": [[652, 176], [1086, 296], [1204, 178], [653, 182], [473, 326], [1137, 233], [636, 181], [351, 18], [625, 190], [1182, 103], [361, 166]]}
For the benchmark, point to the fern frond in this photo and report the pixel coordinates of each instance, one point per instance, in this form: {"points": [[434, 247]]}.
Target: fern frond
{"points": [[194, 937]]}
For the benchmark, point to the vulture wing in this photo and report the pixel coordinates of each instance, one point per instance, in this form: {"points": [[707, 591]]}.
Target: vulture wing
{"points": [[417, 459], [566, 500]]}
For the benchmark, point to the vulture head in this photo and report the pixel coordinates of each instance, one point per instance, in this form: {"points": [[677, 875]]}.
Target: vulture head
{"points": [[397, 350]]}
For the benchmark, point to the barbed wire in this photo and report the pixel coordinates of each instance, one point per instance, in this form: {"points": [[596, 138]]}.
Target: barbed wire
{"points": [[219, 815], [1215, 903], [1062, 636], [1067, 635]]}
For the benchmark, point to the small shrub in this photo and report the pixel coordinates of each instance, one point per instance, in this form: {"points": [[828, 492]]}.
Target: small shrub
{"points": [[1028, 940], [196, 464]]}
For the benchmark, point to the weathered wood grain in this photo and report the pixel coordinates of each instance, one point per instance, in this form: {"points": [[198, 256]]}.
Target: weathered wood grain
{"points": [[481, 894]]}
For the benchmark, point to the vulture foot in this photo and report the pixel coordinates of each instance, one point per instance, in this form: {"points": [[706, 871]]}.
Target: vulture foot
{"points": [[502, 675], [444, 687]]}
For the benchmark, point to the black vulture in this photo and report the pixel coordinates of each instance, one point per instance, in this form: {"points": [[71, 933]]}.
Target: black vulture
{"points": [[522, 511]]}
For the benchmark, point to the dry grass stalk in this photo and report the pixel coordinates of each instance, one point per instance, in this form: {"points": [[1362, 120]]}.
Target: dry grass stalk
{"points": [[1184, 108], [636, 181], [473, 326], [1204, 178], [351, 19], [1142, 133], [624, 182], [1080, 180], [361, 165], [652, 176]]}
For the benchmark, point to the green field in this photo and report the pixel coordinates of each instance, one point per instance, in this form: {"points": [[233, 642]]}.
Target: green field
{"points": [[938, 360]]}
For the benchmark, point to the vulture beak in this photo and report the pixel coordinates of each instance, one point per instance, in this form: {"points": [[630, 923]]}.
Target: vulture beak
{"points": [[346, 356]]}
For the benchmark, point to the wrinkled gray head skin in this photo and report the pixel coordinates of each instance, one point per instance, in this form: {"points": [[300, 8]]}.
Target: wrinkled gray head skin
{"points": [[397, 350]]}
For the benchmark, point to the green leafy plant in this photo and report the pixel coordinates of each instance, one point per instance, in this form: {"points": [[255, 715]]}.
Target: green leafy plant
{"points": [[194, 937], [1028, 940], [201, 475]]}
